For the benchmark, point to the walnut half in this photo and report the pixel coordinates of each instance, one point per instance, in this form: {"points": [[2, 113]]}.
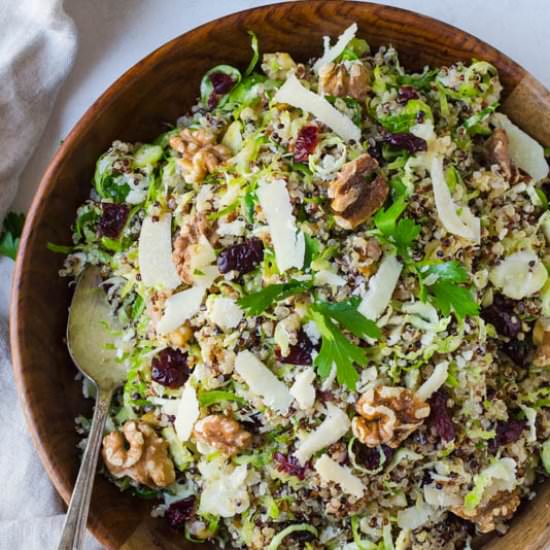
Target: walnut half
{"points": [[500, 506], [138, 452], [340, 81], [184, 246], [354, 198], [223, 433], [388, 415], [200, 154]]}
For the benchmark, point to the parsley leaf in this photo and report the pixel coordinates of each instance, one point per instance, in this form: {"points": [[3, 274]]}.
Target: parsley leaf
{"points": [[405, 233], [11, 234], [258, 302], [439, 283], [347, 315], [452, 271], [447, 296], [336, 349]]}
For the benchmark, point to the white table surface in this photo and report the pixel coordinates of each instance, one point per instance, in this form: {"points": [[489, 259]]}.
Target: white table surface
{"points": [[115, 34]]}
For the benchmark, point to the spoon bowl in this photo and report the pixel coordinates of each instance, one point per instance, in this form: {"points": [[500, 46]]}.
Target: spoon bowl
{"points": [[91, 337]]}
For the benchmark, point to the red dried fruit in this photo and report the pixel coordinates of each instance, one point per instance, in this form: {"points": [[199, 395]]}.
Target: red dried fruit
{"points": [[440, 416], [507, 432], [113, 218], [180, 511], [405, 94], [243, 257], [169, 368], [369, 457], [501, 315], [299, 353], [412, 143], [307, 140], [290, 465], [221, 82]]}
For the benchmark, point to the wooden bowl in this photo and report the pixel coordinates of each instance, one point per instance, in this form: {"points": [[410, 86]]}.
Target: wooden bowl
{"points": [[136, 107]]}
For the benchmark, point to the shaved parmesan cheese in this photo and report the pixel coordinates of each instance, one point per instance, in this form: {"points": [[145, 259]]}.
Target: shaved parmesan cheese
{"points": [[329, 470], [302, 389], [224, 312], [187, 413], [440, 498], [289, 244], [416, 516], [463, 224], [263, 382], [293, 93], [525, 152], [224, 491], [326, 277], [381, 288], [155, 253], [179, 308], [334, 426], [434, 382], [519, 275], [332, 53]]}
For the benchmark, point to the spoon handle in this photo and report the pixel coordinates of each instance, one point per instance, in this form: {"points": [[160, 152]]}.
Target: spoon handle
{"points": [[77, 515]]}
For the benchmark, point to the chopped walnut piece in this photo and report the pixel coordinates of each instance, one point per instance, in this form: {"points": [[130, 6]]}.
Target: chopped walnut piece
{"points": [[354, 198], [541, 339], [222, 433], [200, 154], [497, 149], [500, 506], [337, 80], [145, 461], [189, 236], [388, 415]]}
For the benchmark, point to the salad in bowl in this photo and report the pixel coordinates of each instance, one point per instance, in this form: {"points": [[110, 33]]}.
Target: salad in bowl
{"points": [[332, 298]]}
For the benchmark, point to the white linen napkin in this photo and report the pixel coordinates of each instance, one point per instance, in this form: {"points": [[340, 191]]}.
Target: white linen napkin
{"points": [[37, 49]]}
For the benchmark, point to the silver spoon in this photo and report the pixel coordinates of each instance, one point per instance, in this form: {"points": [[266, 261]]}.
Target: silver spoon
{"points": [[91, 347]]}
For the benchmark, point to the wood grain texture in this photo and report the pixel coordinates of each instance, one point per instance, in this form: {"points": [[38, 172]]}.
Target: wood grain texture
{"points": [[136, 107]]}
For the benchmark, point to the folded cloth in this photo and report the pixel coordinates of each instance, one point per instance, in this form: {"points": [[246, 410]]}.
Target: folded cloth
{"points": [[37, 49]]}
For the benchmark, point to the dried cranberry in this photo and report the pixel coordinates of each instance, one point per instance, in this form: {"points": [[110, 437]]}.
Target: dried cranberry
{"points": [[501, 315], [169, 368], [299, 353], [440, 416], [290, 465], [405, 94], [369, 457], [412, 143], [243, 257], [113, 218], [518, 351], [507, 432], [221, 82], [180, 511], [307, 140]]}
